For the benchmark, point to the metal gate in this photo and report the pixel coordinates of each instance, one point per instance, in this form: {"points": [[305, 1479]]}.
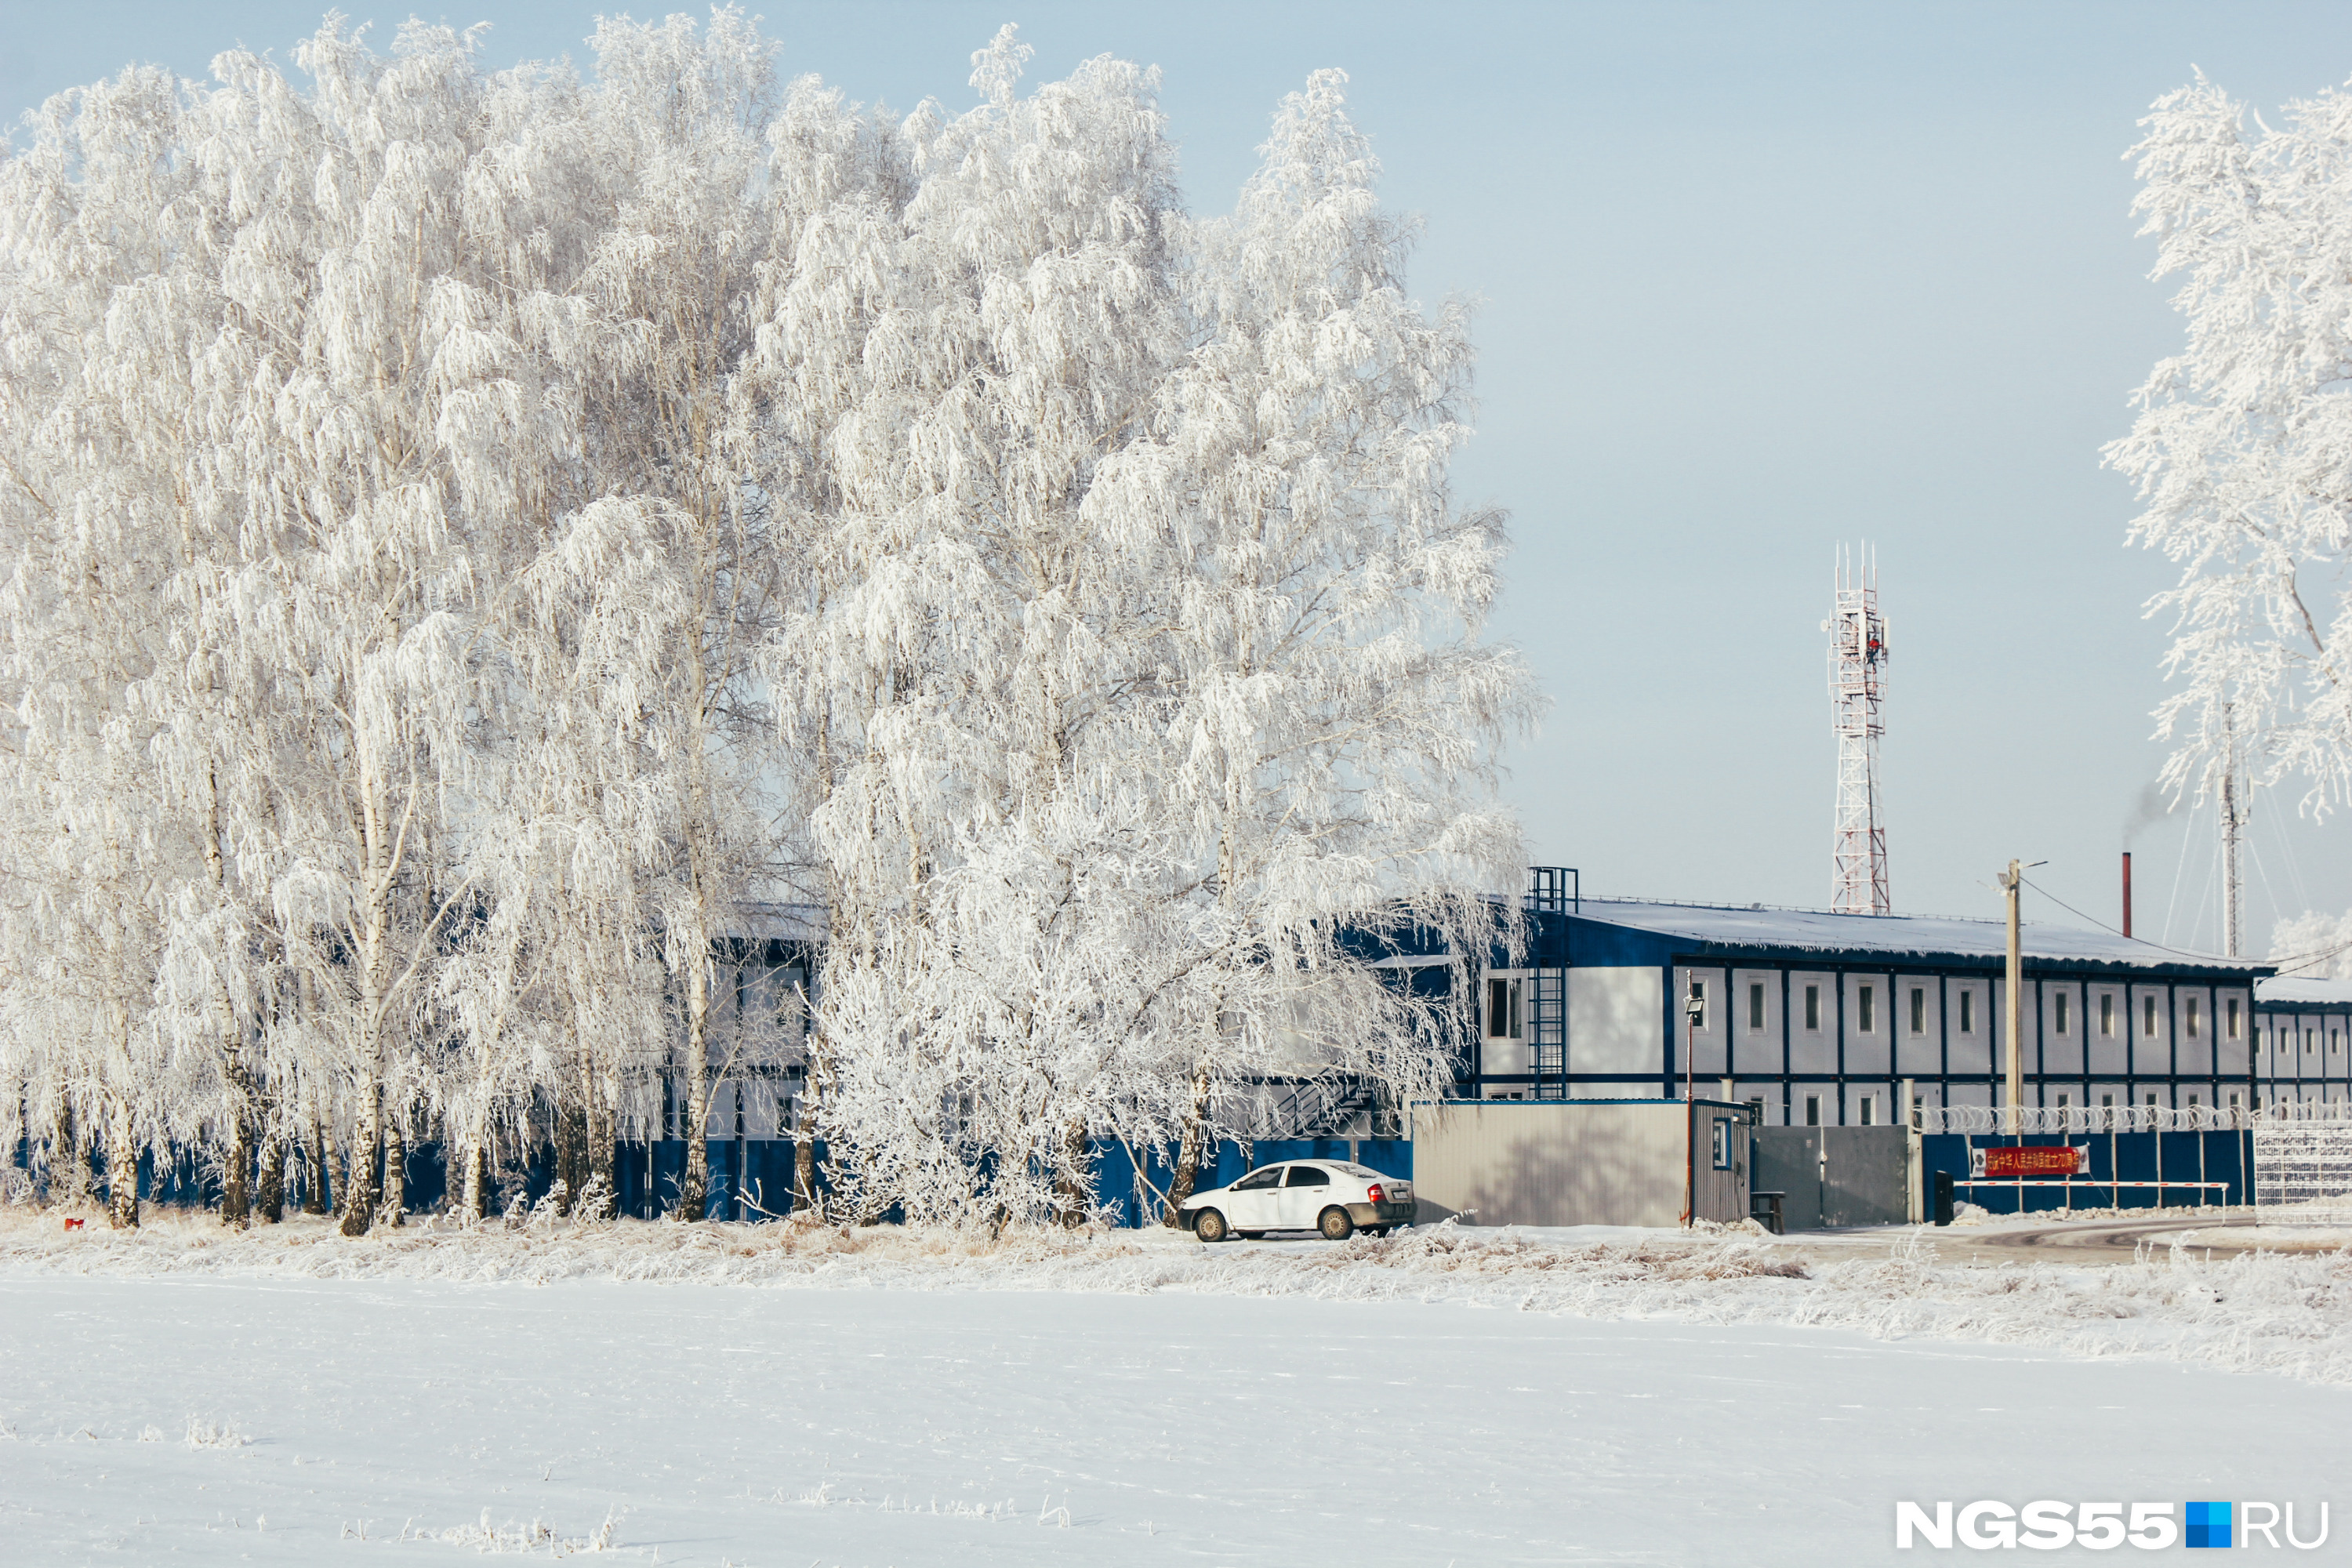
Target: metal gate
{"points": [[1835, 1176]]}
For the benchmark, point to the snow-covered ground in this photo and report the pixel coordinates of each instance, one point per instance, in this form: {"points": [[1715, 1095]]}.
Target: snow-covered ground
{"points": [[725, 1396]]}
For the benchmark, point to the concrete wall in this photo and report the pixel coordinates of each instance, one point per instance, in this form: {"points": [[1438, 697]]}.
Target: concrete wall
{"points": [[1573, 1162]]}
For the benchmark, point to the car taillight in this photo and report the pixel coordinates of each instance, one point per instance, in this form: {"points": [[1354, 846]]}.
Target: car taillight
{"points": [[1372, 1193]]}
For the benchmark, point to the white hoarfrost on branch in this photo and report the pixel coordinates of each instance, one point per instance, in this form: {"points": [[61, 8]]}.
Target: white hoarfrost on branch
{"points": [[2243, 447], [475, 539]]}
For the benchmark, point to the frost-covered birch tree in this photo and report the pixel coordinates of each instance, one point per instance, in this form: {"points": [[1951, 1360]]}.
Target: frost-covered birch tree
{"points": [[2243, 447], [472, 536]]}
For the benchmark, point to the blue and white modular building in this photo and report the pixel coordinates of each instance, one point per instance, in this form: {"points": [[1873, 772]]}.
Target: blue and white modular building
{"points": [[1822, 1018]]}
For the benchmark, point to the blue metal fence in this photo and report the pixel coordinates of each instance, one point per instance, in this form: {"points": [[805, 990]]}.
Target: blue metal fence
{"points": [[752, 1179], [2174, 1160]]}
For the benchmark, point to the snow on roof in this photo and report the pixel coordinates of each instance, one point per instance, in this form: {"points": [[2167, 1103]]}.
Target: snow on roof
{"points": [[2297, 988], [1922, 936]]}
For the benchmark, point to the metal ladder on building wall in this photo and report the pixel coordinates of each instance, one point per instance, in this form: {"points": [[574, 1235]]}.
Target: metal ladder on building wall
{"points": [[1552, 892]]}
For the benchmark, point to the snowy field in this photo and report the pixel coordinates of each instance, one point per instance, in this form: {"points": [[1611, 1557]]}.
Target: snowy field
{"points": [[722, 1395]]}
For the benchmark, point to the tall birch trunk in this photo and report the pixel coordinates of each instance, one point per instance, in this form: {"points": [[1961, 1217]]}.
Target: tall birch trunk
{"points": [[394, 1207], [1189, 1149], [694, 1188], [121, 1165], [69, 1161], [319, 1195], [236, 1207], [270, 1184]]}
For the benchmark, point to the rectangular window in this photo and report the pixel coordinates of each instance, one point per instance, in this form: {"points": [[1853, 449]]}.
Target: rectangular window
{"points": [[1864, 998], [1812, 1007], [2308, 1036], [2107, 1014], [2147, 1016], [1812, 1110], [2064, 1101], [1503, 1021], [2106, 1102], [1918, 1009], [2151, 1102], [2334, 1043], [2233, 1017], [2060, 1009], [1756, 1006], [1968, 1012], [2190, 1014], [1698, 995], [2192, 1102], [1869, 1111], [1722, 1143]]}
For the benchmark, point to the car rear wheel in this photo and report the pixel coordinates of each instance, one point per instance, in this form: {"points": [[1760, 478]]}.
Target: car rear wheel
{"points": [[1336, 1225], [1209, 1225]]}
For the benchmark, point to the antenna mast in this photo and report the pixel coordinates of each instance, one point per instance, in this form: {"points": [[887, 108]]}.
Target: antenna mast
{"points": [[1857, 689]]}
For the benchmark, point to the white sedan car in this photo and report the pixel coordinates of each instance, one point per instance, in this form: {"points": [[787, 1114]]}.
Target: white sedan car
{"points": [[1327, 1195]]}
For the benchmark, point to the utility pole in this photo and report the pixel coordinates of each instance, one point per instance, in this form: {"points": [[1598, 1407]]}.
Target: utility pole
{"points": [[1692, 1005], [2233, 820], [2010, 884]]}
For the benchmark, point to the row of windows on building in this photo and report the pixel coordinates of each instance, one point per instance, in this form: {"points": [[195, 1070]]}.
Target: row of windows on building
{"points": [[2061, 1012], [1504, 1020]]}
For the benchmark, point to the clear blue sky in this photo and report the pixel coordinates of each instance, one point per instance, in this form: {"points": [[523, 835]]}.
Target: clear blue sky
{"points": [[1758, 279]]}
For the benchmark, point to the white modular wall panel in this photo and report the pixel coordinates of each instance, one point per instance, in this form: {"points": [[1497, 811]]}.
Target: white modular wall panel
{"points": [[1871, 1103], [1615, 1023], [1919, 1026], [2062, 1048], [1812, 1019], [1709, 1058], [2192, 1026], [2106, 1029], [1756, 1024], [2235, 1025], [1967, 1025], [1869, 1030], [2151, 1033]]}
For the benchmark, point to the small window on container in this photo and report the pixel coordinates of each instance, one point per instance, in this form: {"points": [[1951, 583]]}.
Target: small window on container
{"points": [[2064, 1101], [2147, 1015], [1918, 1009], [2107, 1014], [1865, 1000], [1722, 1147], [1812, 1007], [1812, 1110], [1756, 1005], [2190, 1014], [2059, 1008], [2106, 1102], [1968, 1012], [2232, 1018], [1868, 1110]]}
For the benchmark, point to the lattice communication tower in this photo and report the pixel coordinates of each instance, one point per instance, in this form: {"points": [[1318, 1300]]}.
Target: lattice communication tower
{"points": [[1857, 694]]}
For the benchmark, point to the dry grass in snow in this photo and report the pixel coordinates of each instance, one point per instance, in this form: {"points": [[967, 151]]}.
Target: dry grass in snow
{"points": [[2289, 1314]]}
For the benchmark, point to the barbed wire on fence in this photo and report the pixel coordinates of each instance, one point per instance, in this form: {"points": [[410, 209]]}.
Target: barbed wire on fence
{"points": [[2033, 1120]]}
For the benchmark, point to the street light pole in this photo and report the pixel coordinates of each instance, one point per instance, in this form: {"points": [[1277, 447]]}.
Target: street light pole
{"points": [[1692, 1007]]}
